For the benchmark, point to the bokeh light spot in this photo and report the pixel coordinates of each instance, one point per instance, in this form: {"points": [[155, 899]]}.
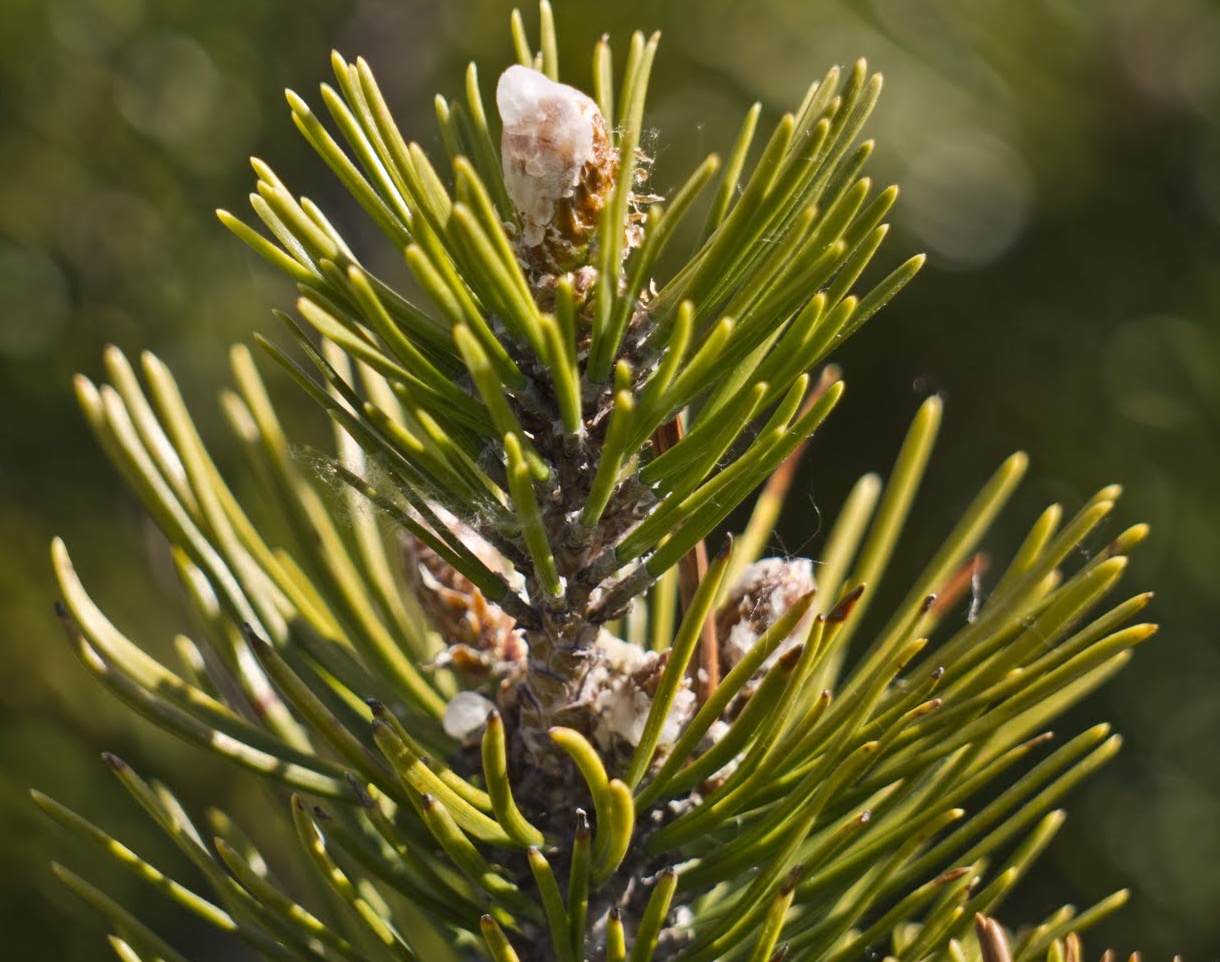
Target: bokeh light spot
{"points": [[93, 26], [968, 198], [1146, 367], [167, 87]]}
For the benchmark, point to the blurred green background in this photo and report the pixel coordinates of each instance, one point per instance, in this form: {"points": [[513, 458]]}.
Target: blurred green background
{"points": [[1060, 162]]}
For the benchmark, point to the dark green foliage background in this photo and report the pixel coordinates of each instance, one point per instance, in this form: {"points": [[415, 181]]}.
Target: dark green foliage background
{"points": [[1060, 162]]}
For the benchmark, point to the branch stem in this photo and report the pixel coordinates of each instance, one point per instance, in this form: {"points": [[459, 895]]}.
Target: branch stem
{"points": [[691, 571]]}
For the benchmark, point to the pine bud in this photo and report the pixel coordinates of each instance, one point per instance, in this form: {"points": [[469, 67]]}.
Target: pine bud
{"points": [[480, 638], [559, 166], [765, 590]]}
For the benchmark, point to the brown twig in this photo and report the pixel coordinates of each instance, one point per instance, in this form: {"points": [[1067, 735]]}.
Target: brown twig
{"points": [[962, 580], [691, 571]]}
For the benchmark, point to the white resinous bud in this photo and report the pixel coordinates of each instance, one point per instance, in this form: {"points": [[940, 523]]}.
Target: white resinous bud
{"points": [[558, 163]]}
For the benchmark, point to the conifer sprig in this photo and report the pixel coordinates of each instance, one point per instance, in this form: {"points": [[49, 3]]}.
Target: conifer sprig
{"points": [[535, 738]]}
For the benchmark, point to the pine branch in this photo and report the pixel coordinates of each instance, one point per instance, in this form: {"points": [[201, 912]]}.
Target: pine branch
{"points": [[544, 723]]}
